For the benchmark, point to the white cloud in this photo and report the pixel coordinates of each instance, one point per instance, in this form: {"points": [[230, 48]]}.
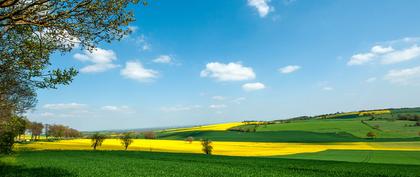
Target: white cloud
{"points": [[142, 42], [217, 106], [101, 60], [375, 51], [163, 59], [401, 55], [179, 108], [239, 100], [406, 49], [327, 88], [289, 69], [218, 98], [135, 70], [372, 79], [120, 109], [381, 50], [65, 106], [409, 76], [262, 6], [361, 58], [253, 86], [227, 72]]}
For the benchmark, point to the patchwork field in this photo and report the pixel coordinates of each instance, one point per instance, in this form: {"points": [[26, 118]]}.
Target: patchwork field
{"points": [[295, 147]]}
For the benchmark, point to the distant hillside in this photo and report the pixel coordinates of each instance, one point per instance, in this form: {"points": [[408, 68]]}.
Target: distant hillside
{"points": [[361, 113]]}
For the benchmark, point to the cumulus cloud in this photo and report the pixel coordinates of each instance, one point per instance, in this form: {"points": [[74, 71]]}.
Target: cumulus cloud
{"points": [[408, 76], [289, 69], [375, 51], [163, 59], [135, 70], [262, 6], [101, 60], [381, 50], [396, 51], [217, 106], [178, 108], [402, 55], [228, 72], [64, 106], [361, 58], [253, 86]]}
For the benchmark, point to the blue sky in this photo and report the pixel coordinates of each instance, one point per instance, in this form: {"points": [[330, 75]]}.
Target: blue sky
{"points": [[199, 62]]}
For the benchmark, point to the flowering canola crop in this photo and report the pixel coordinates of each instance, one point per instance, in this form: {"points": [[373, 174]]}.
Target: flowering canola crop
{"points": [[222, 148]]}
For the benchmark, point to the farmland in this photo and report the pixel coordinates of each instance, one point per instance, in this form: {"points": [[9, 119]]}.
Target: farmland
{"points": [[120, 163], [305, 147]]}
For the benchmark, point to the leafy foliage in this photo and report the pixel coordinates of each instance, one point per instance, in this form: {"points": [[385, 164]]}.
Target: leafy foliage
{"points": [[126, 139], [207, 146], [97, 140]]}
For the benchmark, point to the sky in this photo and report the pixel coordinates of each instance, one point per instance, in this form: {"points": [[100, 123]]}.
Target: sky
{"points": [[200, 62]]}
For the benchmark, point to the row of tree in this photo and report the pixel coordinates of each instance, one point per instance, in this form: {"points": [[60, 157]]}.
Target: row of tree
{"points": [[127, 138]]}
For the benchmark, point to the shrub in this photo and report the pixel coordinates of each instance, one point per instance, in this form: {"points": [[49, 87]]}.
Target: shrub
{"points": [[149, 135], [189, 139], [371, 134], [6, 142], [207, 147]]}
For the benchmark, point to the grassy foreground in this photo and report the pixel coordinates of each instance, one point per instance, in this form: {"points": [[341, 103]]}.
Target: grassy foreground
{"points": [[368, 156], [120, 163]]}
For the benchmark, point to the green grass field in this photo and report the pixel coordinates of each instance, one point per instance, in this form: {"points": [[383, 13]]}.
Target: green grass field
{"points": [[389, 157], [266, 136], [120, 163]]}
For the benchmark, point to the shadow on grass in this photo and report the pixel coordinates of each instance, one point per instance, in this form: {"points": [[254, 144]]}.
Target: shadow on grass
{"points": [[22, 171]]}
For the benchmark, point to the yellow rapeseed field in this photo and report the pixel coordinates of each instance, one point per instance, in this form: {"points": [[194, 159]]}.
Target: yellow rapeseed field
{"points": [[385, 111], [222, 148], [213, 127]]}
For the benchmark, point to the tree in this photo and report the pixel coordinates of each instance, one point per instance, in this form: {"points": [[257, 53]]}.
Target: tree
{"points": [[207, 146], [36, 129], [33, 30], [97, 140], [126, 139], [371, 134]]}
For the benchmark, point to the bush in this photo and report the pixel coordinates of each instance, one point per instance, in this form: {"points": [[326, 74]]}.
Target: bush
{"points": [[371, 134], [149, 135], [207, 147], [6, 142], [189, 139]]}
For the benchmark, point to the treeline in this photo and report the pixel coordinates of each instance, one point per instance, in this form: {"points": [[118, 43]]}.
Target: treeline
{"points": [[18, 126], [61, 131]]}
